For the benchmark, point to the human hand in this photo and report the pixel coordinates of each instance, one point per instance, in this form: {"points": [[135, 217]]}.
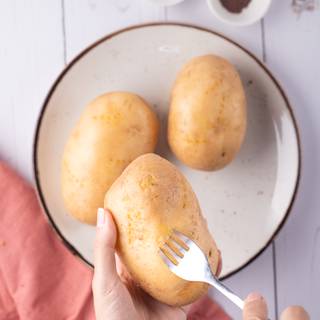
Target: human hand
{"points": [[256, 309], [117, 297]]}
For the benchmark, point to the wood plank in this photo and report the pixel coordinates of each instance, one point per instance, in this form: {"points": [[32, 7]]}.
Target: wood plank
{"points": [[259, 275], [30, 58], [292, 52]]}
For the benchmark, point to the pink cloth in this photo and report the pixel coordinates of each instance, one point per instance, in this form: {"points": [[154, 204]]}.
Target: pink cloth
{"points": [[39, 278]]}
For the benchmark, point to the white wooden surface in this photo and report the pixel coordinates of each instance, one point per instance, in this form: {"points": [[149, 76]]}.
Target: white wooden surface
{"points": [[37, 38]]}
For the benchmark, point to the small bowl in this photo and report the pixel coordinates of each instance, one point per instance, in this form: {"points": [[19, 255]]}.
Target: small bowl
{"points": [[249, 15], [165, 2]]}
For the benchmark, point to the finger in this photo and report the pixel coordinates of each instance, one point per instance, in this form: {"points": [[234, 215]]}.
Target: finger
{"points": [[186, 308], [105, 272], [294, 313], [122, 271], [119, 266], [255, 308]]}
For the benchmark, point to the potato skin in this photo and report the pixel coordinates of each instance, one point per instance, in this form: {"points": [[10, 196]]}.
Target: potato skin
{"points": [[113, 130], [207, 118], [148, 200]]}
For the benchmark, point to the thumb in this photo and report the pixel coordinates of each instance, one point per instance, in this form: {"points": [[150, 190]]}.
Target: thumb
{"points": [[105, 272], [255, 308], [294, 313]]}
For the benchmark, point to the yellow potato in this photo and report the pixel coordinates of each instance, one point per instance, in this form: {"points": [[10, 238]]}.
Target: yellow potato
{"points": [[113, 130], [207, 118], [148, 201]]}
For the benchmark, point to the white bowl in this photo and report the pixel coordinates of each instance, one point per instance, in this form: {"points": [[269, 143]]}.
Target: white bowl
{"points": [[165, 2], [249, 15], [247, 202]]}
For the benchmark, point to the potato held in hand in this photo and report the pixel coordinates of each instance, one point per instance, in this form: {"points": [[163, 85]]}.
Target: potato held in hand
{"points": [[148, 200], [113, 130], [207, 119]]}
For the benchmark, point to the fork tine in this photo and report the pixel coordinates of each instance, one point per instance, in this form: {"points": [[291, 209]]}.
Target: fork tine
{"points": [[180, 239], [171, 255], [166, 260], [172, 252], [172, 245]]}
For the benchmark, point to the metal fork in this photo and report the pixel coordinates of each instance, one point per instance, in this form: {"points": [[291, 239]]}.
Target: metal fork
{"points": [[186, 260]]}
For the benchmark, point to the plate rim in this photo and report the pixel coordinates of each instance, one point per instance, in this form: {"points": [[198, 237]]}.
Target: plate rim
{"points": [[82, 53]]}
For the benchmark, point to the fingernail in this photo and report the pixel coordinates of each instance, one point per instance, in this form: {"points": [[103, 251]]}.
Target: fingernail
{"points": [[101, 218], [254, 297]]}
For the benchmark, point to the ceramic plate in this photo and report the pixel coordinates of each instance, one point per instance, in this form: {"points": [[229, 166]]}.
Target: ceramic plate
{"points": [[246, 203]]}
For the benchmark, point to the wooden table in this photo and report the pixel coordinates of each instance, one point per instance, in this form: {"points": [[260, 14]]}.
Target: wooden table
{"points": [[39, 37]]}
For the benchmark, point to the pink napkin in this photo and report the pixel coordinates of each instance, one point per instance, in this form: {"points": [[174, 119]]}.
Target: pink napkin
{"points": [[39, 278]]}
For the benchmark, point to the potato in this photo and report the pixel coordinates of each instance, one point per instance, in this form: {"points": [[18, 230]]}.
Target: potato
{"points": [[207, 118], [113, 130], [148, 201]]}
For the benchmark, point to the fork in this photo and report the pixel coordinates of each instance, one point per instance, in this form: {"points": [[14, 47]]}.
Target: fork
{"points": [[187, 261]]}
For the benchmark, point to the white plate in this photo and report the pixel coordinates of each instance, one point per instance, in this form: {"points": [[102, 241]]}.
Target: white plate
{"points": [[246, 203]]}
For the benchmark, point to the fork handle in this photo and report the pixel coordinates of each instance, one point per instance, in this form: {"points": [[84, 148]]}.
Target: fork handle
{"points": [[213, 280]]}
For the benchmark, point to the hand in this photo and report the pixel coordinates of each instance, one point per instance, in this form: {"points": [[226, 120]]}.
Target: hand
{"points": [[117, 298], [256, 309], [115, 295]]}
